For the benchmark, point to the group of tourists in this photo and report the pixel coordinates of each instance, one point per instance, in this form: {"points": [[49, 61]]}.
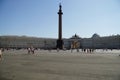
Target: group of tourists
{"points": [[31, 50], [88, 50], [83, 50]]}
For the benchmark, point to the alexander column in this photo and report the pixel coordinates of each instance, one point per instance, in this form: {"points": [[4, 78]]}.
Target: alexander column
{"points": [[60, 41]]}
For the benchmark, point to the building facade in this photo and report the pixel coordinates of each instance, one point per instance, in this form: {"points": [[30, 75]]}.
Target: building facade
{"points": [[95, 42], [26, 42]]}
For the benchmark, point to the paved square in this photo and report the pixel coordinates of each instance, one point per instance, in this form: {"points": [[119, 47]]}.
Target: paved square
{"points": [[63, 65]]}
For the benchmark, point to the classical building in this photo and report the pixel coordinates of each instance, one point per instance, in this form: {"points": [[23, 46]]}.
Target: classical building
{"points": [[25, 42], [95, 42], [110, 42]]}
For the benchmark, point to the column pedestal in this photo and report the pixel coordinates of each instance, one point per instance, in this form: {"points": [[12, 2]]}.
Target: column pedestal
{"points": [[59, 44]]}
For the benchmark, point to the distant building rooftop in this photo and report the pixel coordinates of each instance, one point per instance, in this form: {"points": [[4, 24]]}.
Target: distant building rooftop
{"points": [[95, 36], [75, 37]]}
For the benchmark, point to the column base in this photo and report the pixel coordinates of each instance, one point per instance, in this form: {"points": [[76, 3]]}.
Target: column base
{"points": [[59, 44]]}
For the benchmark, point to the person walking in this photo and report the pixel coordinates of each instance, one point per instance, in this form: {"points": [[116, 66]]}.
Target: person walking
{"points": [[0, 54]]}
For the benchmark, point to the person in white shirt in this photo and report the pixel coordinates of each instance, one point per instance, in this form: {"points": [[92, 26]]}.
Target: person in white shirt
{"points": [[0, 54]]}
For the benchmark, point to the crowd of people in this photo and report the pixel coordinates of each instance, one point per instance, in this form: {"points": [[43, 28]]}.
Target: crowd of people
{"points": [[31, 50]]}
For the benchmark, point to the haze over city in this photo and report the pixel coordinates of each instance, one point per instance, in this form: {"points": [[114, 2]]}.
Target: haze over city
{"points": [[39, 18]]}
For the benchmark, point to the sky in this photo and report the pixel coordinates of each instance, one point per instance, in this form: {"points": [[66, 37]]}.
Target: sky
{"points": [[39, 18]]}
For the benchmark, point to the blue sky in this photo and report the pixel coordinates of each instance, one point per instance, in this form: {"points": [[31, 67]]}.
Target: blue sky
{"points": [[39, 18]]}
